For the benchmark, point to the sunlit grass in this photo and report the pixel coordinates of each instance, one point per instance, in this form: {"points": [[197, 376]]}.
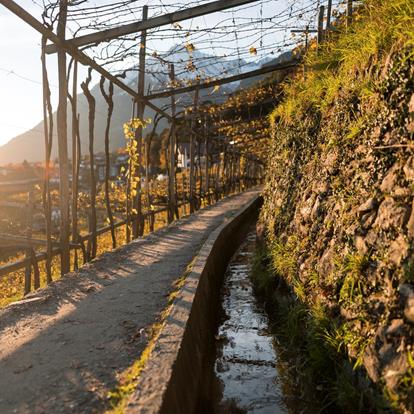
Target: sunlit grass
{"points": [[342, 64]]}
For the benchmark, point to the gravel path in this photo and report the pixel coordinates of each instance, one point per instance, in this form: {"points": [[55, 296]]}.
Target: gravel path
{"points": [[61, 351]]}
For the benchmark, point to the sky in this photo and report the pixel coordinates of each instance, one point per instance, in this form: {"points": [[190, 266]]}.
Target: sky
{"points": [[20, 68], [20, 100]]}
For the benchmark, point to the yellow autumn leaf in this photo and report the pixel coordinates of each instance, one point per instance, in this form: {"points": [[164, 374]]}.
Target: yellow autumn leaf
{"points": [[190, 47]]}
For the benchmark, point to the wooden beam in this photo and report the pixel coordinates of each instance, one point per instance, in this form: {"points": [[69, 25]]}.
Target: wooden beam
{"points": [[72, 50], [223, 81], [155, 22]]}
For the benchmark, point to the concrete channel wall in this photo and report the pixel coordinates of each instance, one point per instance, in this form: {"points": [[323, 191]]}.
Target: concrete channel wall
{"points": [[172, 378]]}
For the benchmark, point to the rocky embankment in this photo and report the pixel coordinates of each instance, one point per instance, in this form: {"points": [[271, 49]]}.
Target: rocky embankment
{"points": [[339, 218]]}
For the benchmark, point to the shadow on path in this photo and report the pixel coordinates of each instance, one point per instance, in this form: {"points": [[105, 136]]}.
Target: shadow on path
{"points": [[63, 353]]}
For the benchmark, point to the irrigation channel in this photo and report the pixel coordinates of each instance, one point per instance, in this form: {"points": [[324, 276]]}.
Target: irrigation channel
{"points": [[244, 373]]}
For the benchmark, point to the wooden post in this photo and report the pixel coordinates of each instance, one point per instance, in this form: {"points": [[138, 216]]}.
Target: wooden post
{"points": [[62, 131], [184, 196], [233, 169], [171, 176], [192, 153], [75, 161], [242, 186], [48, 137], [138, 223], [78, 164], [217, 178], [207, 161], [29, 253], [147, 147], [196, 182], [320, 24], [220, 171], [329, 15], [148, 141], [239, 173], [224, 173], [92, 242], [109, 101], [128, 190], [349, 12], [200, 175]]}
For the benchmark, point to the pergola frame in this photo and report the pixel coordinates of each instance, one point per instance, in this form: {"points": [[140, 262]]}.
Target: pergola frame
{"points": [[71, 47]]}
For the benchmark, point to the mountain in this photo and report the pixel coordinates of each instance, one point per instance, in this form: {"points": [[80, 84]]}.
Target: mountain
{"points": [[282, 58], [30, 145]]}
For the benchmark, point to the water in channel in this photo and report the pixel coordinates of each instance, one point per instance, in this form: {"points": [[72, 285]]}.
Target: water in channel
{"points": [[245, 367]]}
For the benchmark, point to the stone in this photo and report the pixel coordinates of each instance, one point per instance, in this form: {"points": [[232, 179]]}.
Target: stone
{"points": [[398, 250], [367, 220], [330, 161], [410, 126], [411, 106], [260, 234], [402, 192], [306, 210], [395, 328], [390, 180], [321, 187], [316, 209], [371, 238], [409, 169], [410, 224], [391, 215], [360, 245], [369, 205], [371, 362], [407, 298], [395, 369], [349, 314], [326, 263]]}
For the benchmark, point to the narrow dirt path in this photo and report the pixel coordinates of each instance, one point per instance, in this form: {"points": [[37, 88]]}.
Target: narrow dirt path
{"points": [[61, 353]]}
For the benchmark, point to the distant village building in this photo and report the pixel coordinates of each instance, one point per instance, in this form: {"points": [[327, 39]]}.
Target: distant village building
{"points": [[118, 162], [183, 155]]}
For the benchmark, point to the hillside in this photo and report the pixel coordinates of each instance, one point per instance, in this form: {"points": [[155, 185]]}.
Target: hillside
{"points": [[339, 213], [30, 145]]}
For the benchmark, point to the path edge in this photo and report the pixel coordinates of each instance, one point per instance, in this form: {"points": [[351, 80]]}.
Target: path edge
{"points": [[171, 379]]}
